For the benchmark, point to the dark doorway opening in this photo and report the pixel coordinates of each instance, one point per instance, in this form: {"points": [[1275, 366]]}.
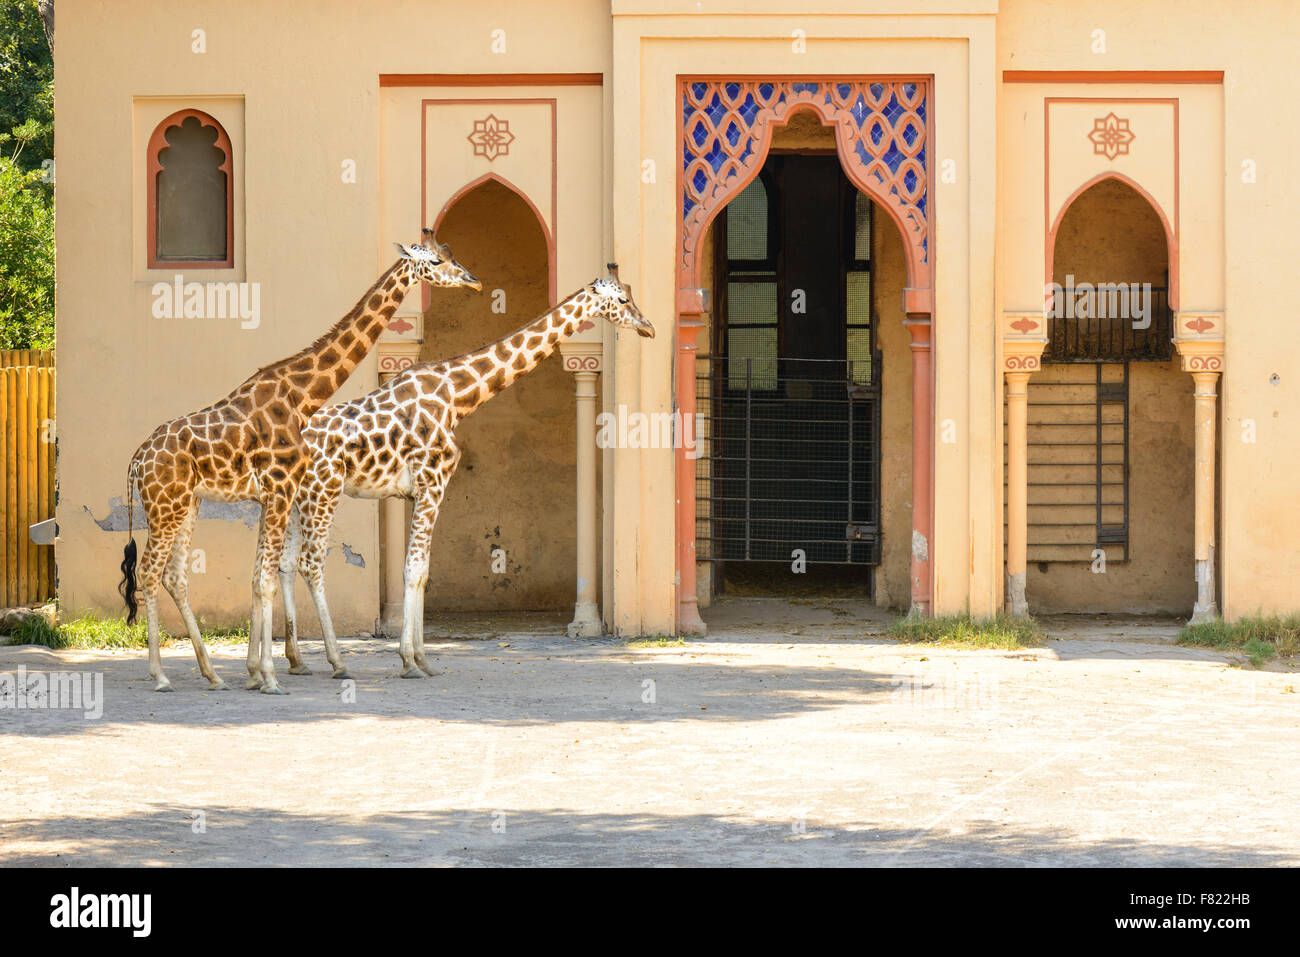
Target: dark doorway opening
{"points": [[788, 490]]}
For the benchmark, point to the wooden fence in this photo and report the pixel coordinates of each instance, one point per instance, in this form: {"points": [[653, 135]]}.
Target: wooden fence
{"points": [[26, 474]]}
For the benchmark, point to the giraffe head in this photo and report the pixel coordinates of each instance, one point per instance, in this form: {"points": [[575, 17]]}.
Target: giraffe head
{"points": [[612, 300], [433, 263]]}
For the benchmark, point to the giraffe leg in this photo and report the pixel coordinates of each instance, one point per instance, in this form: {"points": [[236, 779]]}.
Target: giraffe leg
{"points": [[255, 617], [275, 517], [317, 518], [155, 554], [434, 494], [288, 572], [410, 647], [175, 579]]}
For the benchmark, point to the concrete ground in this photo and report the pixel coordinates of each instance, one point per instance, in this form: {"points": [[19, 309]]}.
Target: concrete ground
{"points": [[790, 736]]}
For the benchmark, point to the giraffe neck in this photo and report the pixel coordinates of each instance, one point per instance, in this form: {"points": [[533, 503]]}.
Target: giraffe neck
{"points": [[478, 376], [318, 371]]}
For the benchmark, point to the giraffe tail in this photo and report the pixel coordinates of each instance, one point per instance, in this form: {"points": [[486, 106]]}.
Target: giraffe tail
{"points": [[127, 585]]}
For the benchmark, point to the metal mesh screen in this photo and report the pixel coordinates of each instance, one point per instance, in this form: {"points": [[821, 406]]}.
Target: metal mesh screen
{"points": [[747, 223], [791, 466]]}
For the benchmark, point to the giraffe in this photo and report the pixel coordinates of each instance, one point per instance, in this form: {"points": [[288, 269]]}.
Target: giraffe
{"points": [[399, 441], [249, 446]]}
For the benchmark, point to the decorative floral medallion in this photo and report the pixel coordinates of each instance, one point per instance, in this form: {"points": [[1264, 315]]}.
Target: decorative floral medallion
{"points": [[1110, 136], [491, 138]]}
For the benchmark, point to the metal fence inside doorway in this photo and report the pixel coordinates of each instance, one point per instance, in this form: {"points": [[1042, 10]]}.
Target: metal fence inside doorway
{"points": [[788, 458]]}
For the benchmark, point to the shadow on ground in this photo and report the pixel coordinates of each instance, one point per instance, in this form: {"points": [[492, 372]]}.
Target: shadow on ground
{"points": [[165, 835], [518, 680]]}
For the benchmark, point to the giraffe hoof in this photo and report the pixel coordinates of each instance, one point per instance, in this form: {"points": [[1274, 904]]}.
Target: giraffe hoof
{"points": [[272, 688], [299, 670], [163, 685], [218, 685], [424, 666], [341, 675], [412, 672], [252, 684]]}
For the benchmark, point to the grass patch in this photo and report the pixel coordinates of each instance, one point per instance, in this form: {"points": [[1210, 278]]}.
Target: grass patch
{"points": [[656, 641], [1260, 638], [90, 632], [962, 631], [35, 631]]}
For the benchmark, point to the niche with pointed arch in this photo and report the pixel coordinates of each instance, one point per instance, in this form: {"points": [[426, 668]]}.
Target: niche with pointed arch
{"points": [[1111, 444], [514, 488]]}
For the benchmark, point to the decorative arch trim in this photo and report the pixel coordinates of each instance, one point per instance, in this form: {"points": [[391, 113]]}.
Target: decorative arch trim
{"points": [[882, 137], [1171, 234], [157, 143], [546, 232]]}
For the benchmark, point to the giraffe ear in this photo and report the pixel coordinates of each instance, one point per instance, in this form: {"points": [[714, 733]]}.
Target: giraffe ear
{"points": [[404, 250]]}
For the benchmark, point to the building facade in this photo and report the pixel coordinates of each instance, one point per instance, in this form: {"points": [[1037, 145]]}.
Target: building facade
{"points": [[967, 305]]}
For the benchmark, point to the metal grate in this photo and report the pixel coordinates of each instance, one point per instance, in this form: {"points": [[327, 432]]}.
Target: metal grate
{"points": [[1110, 331], [789, 458], [1078, 463]]}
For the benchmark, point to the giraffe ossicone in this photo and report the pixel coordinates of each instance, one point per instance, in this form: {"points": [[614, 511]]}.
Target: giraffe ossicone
{"points": [[249, 446], [399, 441]]}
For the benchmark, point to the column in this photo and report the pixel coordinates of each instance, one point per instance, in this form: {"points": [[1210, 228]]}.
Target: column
{"points": [[918, 327], [1202, 357], [584, 361], [1205, 392], [692, 308], [1021, 357]]}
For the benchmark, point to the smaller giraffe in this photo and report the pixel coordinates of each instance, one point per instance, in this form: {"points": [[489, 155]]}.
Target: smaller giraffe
{"points": [[399, 441], [249, 446]]}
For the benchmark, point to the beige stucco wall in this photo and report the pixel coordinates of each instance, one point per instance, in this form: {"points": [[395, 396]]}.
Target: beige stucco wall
{"points": [[307, 76], [299, 83], [1235, 229], [655, 44]]}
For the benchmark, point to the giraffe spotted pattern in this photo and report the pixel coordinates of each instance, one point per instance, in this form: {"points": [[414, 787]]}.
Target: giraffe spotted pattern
{"points": [[250, 446], [399, 441]]}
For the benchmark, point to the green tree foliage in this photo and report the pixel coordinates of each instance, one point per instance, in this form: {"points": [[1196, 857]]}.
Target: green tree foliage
{"points": [[26, 190], [26, 259], [26, 80]]}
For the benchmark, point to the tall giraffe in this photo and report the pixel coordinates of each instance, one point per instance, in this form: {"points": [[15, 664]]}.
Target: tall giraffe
{"points": [[249, 446], [398, 441]]}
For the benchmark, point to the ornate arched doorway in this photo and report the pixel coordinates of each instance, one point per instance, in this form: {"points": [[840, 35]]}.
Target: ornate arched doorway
{"points": [[882, 142]]}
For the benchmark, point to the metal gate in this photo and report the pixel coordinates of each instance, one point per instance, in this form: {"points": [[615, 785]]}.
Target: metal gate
{"points": [[1078, 463], [789, 458]]}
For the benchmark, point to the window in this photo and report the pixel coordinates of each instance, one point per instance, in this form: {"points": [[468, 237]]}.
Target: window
{"points": [[190, 191], [751, 289], [857, 290]]}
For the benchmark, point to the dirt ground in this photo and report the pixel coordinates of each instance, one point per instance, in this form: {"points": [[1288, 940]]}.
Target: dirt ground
{"points": [[789, 736]]}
